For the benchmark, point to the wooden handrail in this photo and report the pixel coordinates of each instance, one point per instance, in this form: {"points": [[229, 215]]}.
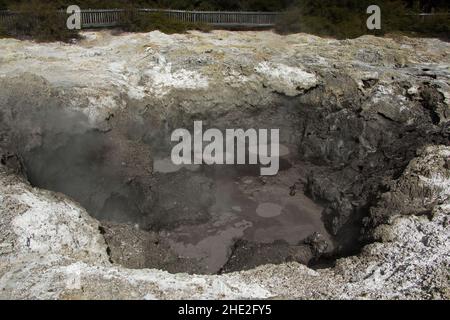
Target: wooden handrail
{"points": [[92, 18]]}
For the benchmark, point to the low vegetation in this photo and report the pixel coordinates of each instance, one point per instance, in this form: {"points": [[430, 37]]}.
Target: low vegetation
{"points": [[145, 22], [347, 19], [3, 33], [38, 21], [340, 19]]}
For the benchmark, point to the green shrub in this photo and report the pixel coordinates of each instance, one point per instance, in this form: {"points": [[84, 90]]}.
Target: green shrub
{"points": [[40, 22], [438, 25], [348, 26], [347, 19], [145, 22], [3, 33]]}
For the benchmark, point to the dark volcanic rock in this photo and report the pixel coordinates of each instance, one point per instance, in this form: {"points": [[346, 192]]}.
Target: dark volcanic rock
{"points": [[136, 249], [247, 255]]}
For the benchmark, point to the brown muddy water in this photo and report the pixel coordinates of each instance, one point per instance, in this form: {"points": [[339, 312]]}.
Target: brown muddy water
{"points": [[247, 206]]}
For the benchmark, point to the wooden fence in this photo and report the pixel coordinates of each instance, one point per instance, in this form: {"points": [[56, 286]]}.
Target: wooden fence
{"points": [[100, 18]]}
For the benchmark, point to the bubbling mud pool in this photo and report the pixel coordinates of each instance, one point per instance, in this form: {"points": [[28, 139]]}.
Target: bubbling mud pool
{"points": [[190, 218], [201, 218], [249, 207], [197, 212]]}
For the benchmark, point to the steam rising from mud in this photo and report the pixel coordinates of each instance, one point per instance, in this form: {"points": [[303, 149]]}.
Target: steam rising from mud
{"points": [[121, 177]]}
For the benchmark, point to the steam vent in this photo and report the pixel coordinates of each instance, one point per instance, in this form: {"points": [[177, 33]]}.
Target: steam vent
{"points": [[93, 205]]}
